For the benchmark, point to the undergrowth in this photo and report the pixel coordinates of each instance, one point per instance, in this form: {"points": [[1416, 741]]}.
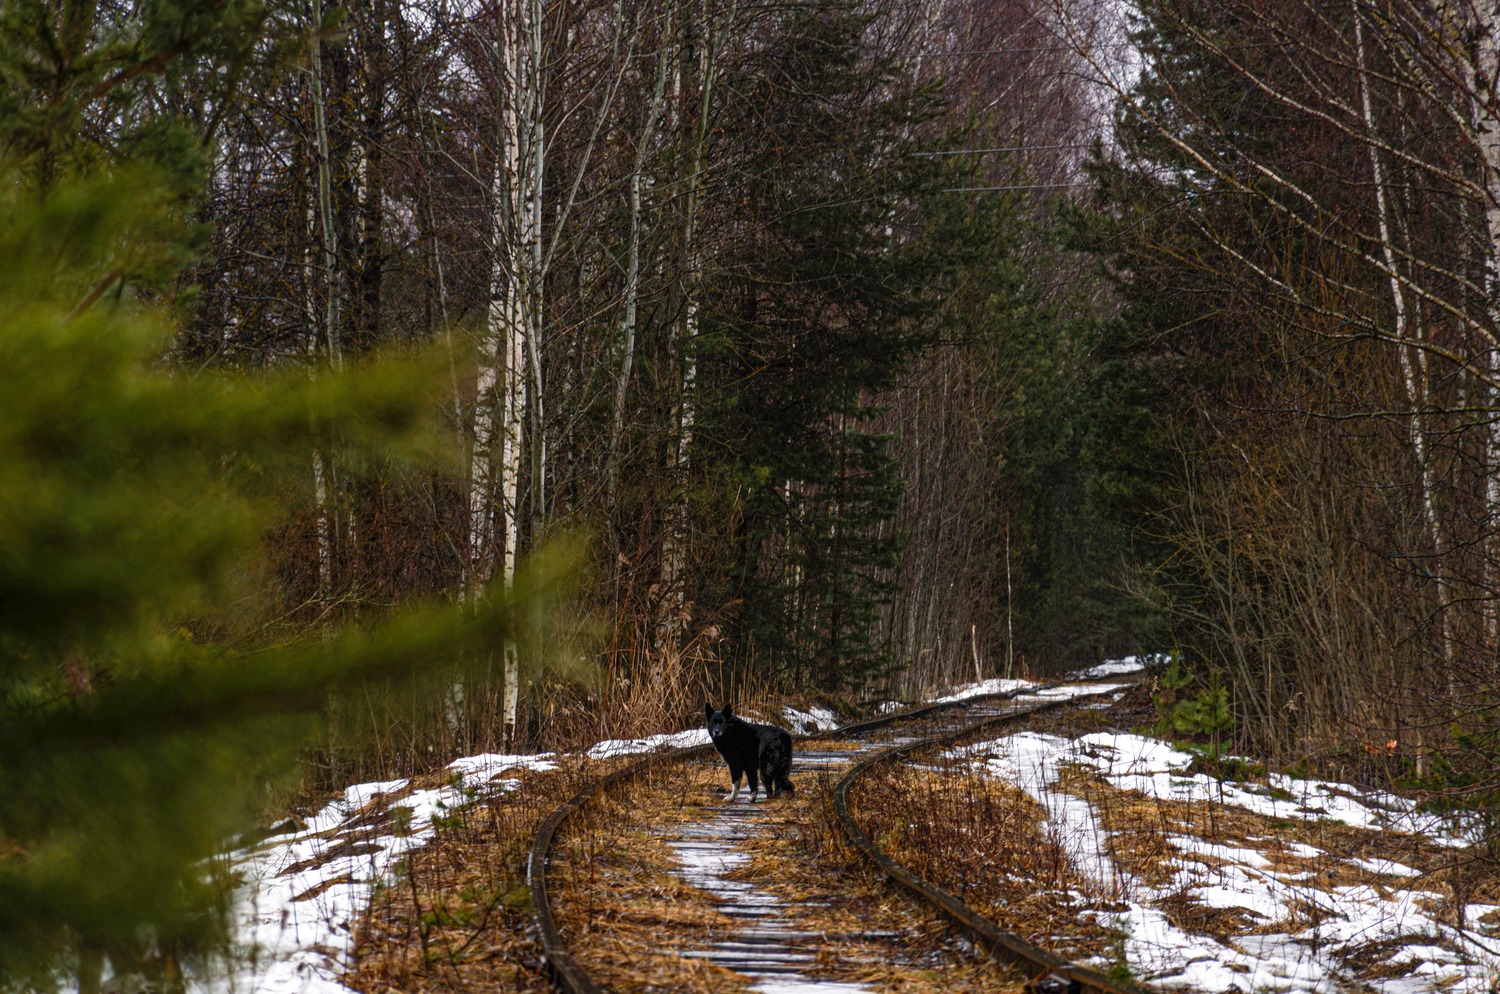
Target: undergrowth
{"points": [[990, 845], [455, 916]]}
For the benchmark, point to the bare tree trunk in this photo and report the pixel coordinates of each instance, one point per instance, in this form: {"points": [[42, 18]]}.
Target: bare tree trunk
{"points": [[510, 470], [509, 394], [1413, 373], [325, 197], [479, 558], [684, 348], [633, 254], [1487, 131], [1010, 614], [323, 469], [532, 89]]}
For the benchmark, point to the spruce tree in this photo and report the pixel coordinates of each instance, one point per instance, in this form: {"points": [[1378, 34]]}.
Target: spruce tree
{"points": [[819, 311], [86, 85], [133, 500]]}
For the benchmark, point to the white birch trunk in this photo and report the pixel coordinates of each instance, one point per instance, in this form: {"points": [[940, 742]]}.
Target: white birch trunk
{"points": [[508, 387], [1413, 373], [323, 470], [515, 415], [324, 529], [674, 546], [693, 264], [479, 555], [1487, 132]]}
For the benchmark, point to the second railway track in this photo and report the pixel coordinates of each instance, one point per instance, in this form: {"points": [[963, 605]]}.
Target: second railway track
{"points": [[647, 880]]}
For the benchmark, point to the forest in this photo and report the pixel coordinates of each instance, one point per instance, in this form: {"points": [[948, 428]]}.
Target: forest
{"points": [[390, 381]]}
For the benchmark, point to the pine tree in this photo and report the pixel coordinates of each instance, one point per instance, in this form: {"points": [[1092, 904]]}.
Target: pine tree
{"points": [[132, 505], [86, 85]]}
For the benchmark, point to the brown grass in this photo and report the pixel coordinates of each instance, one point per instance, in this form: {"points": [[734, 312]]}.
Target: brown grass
{"points": [[457, 914], [632, 918], [1140, 827], [956, 831], [458, 917], [884, 938], [986, 843], [619, 905]]}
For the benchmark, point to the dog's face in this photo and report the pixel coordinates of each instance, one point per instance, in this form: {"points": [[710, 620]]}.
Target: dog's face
{"points": [[717, 721]]}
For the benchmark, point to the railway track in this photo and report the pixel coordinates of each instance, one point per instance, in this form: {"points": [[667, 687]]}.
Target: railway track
{"points": [[744, 935]]}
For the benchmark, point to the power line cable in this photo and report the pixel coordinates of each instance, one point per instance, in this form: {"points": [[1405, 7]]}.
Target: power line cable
{"points": [[1025, 51], [1010, 148], [1029, 186]]}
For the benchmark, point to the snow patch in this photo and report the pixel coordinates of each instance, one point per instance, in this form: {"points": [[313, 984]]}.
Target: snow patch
{"points": [[487, 765], [1002, 685], [302, 891], [651, 743], [1118, 667], [814, 719], [1078, 690], [1307, 956], [999, 685]]}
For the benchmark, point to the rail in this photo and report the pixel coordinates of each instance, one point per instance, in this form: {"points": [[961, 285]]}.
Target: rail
{"points": [[1049, 974]]}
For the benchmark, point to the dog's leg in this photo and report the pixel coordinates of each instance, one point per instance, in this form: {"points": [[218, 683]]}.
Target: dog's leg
{"points": [[754, 783], [734, 786]]}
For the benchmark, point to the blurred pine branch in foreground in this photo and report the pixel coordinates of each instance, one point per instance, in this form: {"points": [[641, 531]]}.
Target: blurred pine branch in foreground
{"points": [[133, 502]]}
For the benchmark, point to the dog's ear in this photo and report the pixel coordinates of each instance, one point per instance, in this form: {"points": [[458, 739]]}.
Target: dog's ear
{"points": [[708, 710], [729, 710]]}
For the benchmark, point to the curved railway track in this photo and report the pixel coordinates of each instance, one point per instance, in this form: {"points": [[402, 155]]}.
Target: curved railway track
{"points": [[764, 946]]}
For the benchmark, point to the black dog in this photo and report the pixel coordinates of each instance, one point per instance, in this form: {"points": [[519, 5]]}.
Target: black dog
{"points": [[749, 749]]}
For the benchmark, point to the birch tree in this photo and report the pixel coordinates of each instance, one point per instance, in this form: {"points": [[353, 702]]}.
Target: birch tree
{"points": [[1325, 172], [511, 329], [695, 72], [328, 343]]}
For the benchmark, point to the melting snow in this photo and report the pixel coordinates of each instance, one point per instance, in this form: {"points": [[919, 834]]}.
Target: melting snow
{"points": [[625, 747], [1307, 957], [1117, 667], [1078, 690], [775, 985], [814, 719], [303, 891], [999, 685]]}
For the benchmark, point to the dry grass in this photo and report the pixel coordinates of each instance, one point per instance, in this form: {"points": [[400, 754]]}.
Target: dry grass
{"points": [[632, 917], [619, 905], [883, 937], [457, 914], [457, 918], [988, 844], [1140, 842], [828, 745]]}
